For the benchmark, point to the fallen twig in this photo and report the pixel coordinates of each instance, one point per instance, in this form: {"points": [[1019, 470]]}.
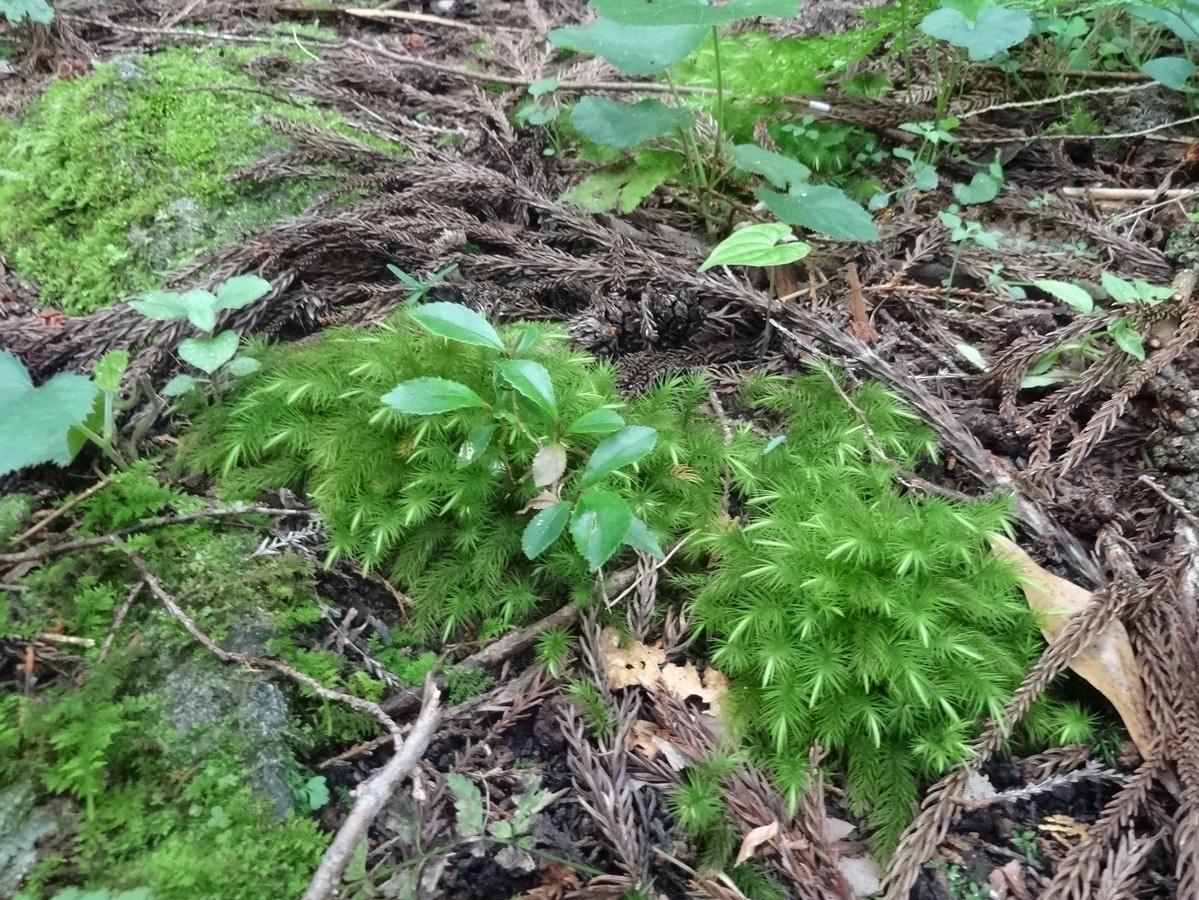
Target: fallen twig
{"points": [[39, 554], [35, 528], [372, 794]]}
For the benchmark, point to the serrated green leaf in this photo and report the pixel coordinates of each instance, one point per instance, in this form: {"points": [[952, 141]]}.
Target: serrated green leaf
{"points": [[600, 522], [532, 381], [822, 208], [468, 805], [456, 322], [639, 537], [549, 464], [178, 386], [623, 189], [757, 245], [624, 125], [636, 50], [34, 421], [598, 421], [624, 448], [429, 396], [544, 528], [1070, 294], [994, 29], [110, 369], [209, 354], [781, 171], [241, 290], [691, 12]]}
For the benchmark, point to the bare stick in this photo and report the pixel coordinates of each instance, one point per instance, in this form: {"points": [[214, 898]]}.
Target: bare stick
{"points": [[120, 618], [42, 553], [372, 794], [363, 706], [34, 529]]}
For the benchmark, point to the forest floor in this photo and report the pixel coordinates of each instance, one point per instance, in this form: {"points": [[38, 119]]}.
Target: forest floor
{"points": [[1028, 396]]}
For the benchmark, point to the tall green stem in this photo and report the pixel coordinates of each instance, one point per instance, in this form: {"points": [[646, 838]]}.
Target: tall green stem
{"points": [[717, 161]]}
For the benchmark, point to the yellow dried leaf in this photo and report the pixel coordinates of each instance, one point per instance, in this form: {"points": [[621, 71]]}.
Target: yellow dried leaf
{"points": [[1108, 664]]}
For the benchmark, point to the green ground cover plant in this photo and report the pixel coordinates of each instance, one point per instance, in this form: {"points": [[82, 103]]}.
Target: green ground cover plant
{"points": [[847, 611], [113, 179]]}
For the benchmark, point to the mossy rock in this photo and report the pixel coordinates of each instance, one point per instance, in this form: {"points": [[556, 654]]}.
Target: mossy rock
{"points": [[113, 180]]}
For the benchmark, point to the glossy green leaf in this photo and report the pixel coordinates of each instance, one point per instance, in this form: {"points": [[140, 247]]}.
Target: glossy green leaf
{"points": [[691, 12], [624, 448], [763, 244], [429, 396], [781, 171], [110, 369], [636, 50], [624, 125], [1070, 294], [209, 354], [639, 537], [475, 445], [241, 290], [821, 208], [34, 421], [528, 339], [544, 528], [1170, 71], [456, 322], [600, 522], [774, 443], [598, 421], [532, 381]]}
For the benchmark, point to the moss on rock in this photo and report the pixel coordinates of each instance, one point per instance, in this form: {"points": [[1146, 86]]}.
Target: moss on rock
{"points": [[114, 179]]}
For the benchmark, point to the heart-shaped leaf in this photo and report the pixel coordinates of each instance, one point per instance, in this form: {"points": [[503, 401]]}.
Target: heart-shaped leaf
{"points": [[621, 449], [455, 322], [624, 125], [241, 290], [428, 396], [634, 49], [822, 208], [544, 528], [34, 421], [209, 354], [531, 380], [599, 525], [757, 245], [201, 308], [995, 29]]}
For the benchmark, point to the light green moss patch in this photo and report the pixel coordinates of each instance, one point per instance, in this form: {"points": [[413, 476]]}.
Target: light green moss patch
{"points": [[113, 180]]}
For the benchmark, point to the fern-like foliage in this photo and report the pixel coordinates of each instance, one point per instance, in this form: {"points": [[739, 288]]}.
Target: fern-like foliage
{"points": [[399, 491], [852, 614]]}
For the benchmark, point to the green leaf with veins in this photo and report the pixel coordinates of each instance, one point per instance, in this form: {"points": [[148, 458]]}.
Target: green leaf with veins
{"points": [[622, 125], [599, 525], [689, 12], [636, 50], [429, 396], [34, 421]]}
